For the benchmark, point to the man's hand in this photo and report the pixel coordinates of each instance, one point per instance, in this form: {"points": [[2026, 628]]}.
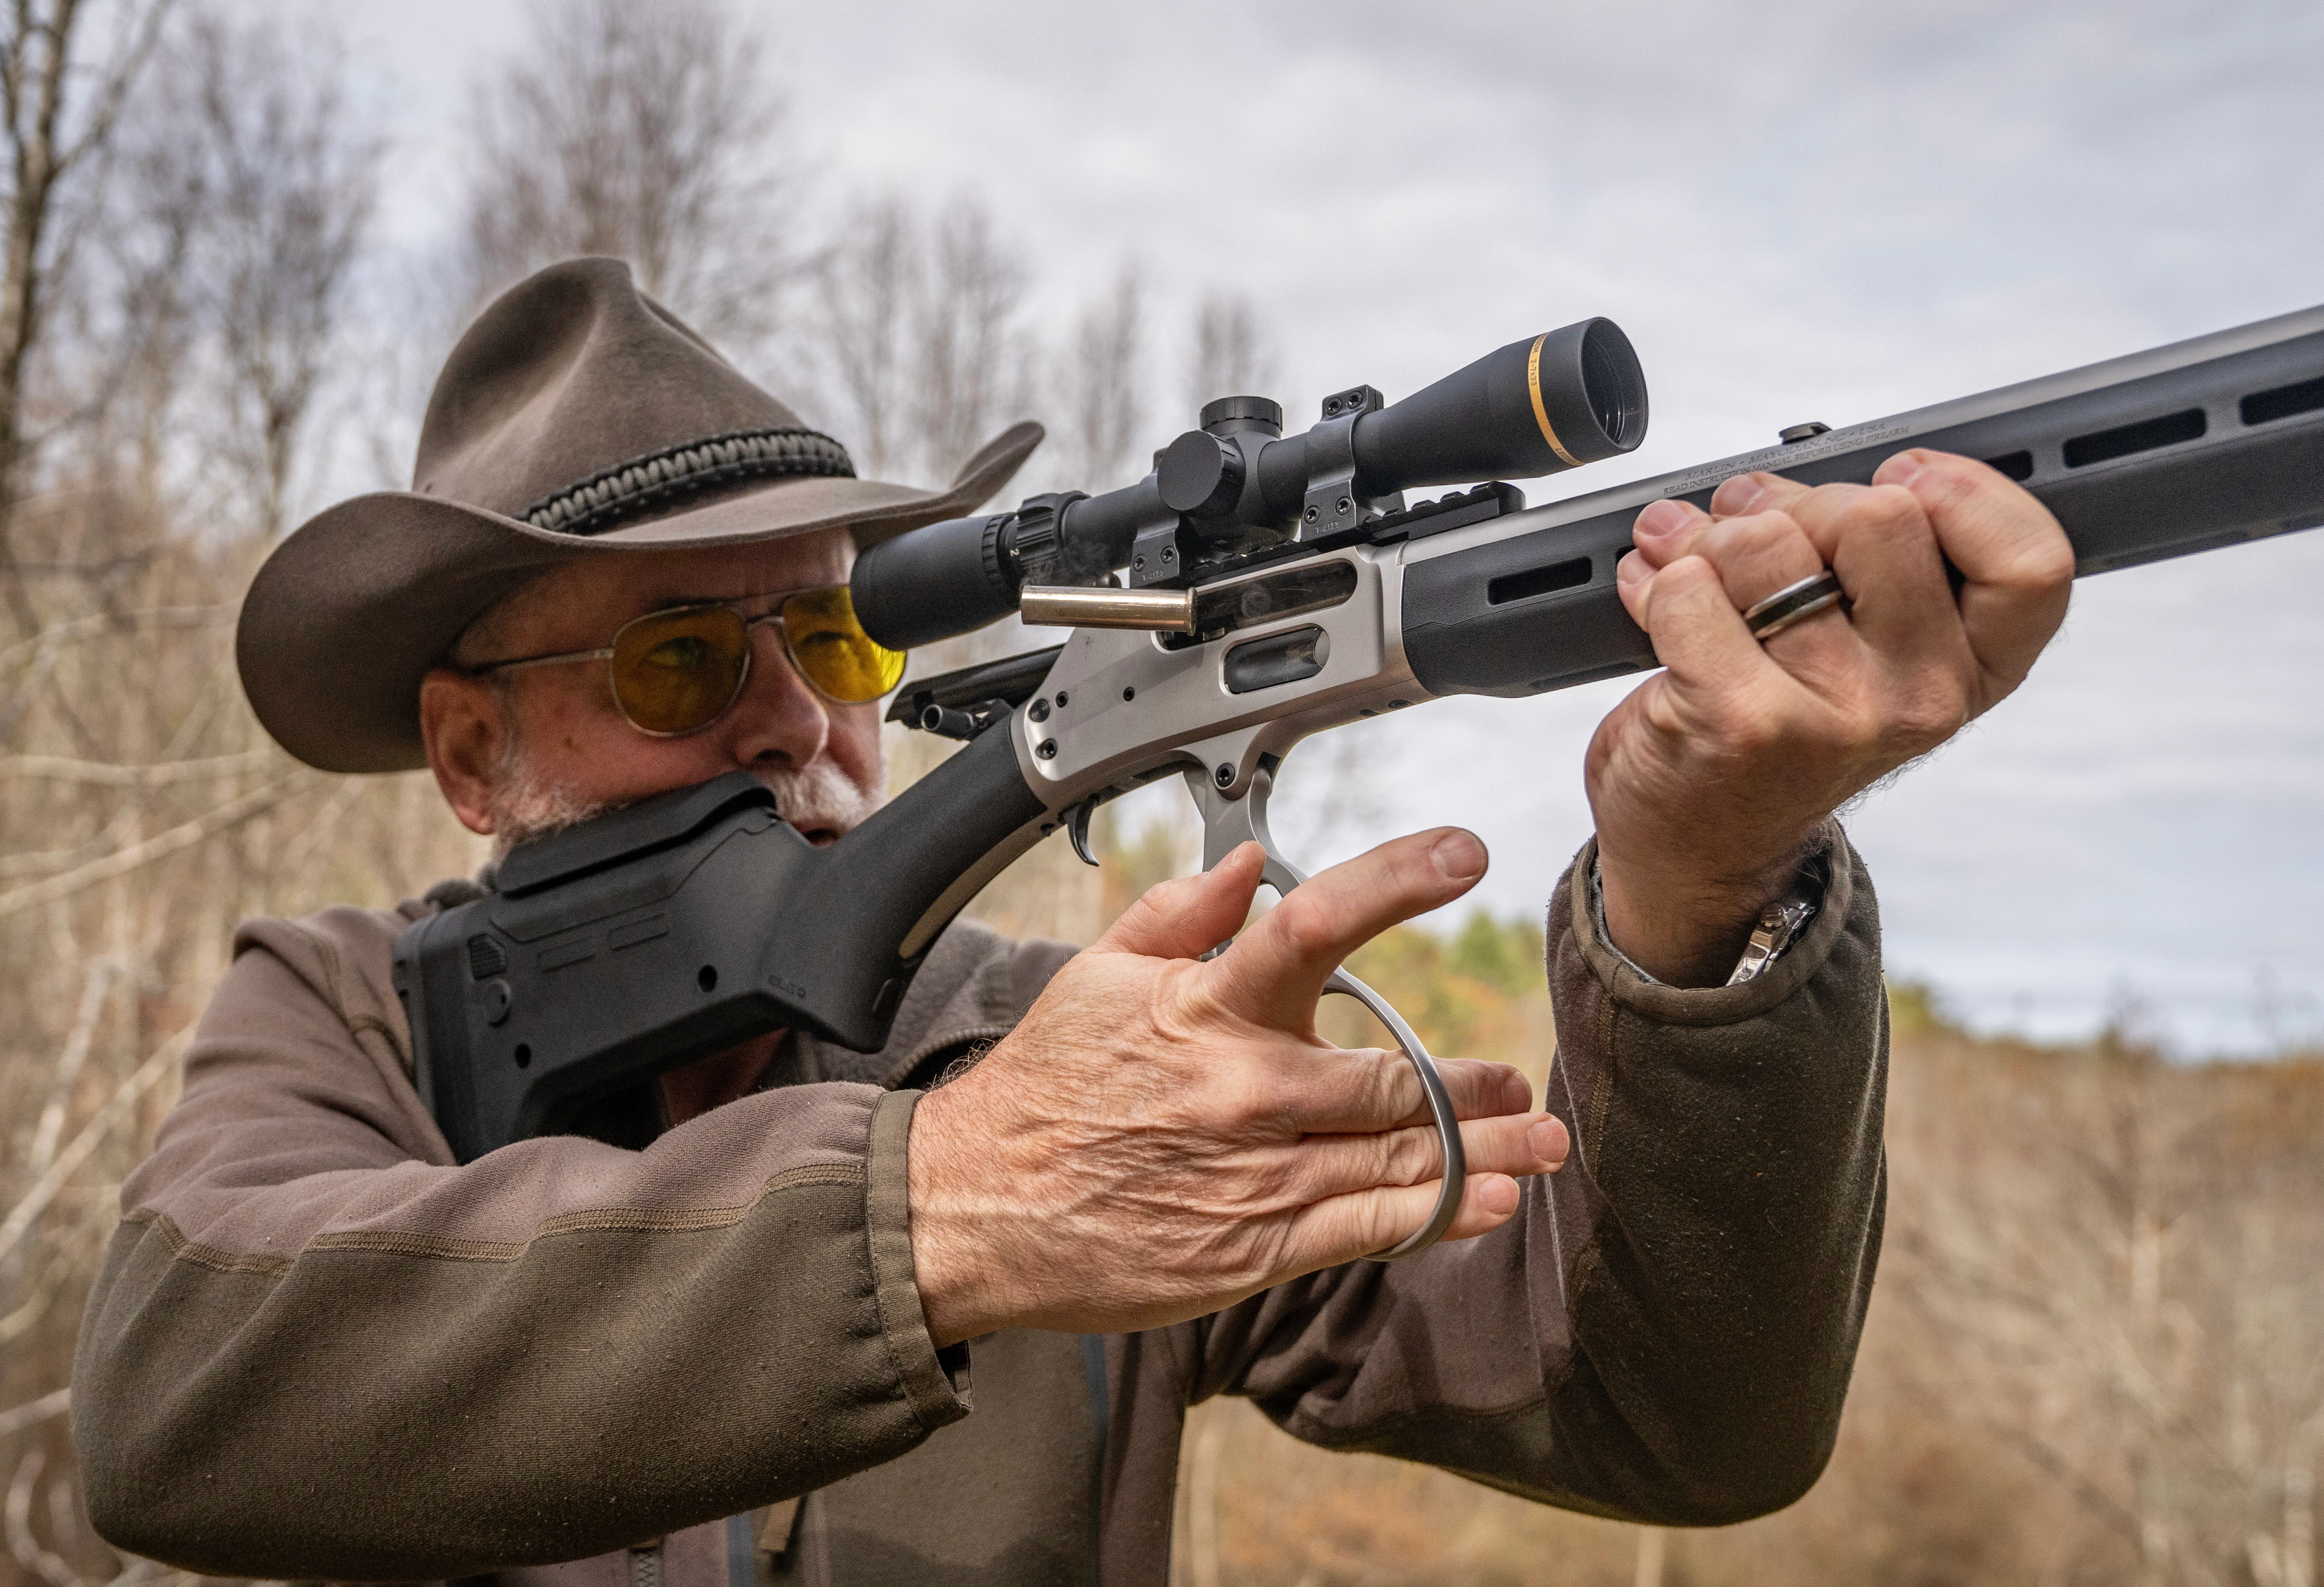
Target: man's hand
{"points": [[1163, 1136], [1708, 779]]}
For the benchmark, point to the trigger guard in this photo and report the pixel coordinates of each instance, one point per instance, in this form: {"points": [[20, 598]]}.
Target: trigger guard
{"points": [[1440, 1107]]}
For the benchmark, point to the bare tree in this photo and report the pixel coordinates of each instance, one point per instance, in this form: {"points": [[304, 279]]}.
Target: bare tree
{"points": [[295, 189], [867, 286], [54, 140], [1228, 356], [1098, 396], [175, 324], [645, 133], [920, 353], [253, 125], [971, 352]]}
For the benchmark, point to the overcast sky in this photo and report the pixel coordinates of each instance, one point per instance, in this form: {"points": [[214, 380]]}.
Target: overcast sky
{"points": [[1820, 210]]}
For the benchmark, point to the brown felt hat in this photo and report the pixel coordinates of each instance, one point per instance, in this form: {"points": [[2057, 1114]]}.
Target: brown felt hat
{"points": [[578, 418]]}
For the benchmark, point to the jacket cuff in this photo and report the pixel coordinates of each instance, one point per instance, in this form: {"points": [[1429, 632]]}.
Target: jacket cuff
{"points": [[1720, 1005], [927, 1382]]}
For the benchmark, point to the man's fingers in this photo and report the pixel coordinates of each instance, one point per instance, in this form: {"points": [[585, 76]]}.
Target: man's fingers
{"points": [[1759, 491], [1275, 969], [1346, 1227], [2017, 562], [1187, 917], [1664, 528], [1355, 1090], [1879, 540], [1754, 554], [1697, 631], [1519, 1144]]}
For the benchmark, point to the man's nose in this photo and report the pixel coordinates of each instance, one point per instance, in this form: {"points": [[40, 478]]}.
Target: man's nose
{"points": [[779, 720]]}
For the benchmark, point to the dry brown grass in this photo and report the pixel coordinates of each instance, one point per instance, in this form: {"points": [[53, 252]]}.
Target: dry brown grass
{"points": [[2093, 1356]]}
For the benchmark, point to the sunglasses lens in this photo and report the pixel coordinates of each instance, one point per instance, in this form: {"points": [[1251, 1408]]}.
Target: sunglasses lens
{"points": [[675, 672], [833, 651]]}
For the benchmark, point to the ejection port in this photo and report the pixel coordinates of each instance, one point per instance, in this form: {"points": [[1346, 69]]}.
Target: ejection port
{"points": [[1280, 658]]}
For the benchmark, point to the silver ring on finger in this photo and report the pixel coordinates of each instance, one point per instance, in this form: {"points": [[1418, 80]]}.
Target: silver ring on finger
{"points": [[1795, 602]]}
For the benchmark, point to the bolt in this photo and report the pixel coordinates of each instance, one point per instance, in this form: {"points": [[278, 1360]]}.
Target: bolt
{"points": [[1047, 749], [1223, 776]]}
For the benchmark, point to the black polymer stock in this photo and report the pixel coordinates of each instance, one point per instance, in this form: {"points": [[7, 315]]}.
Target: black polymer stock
{"points": [[692, 921]]}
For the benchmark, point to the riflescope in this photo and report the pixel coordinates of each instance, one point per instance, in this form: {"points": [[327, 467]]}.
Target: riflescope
{"points": [[1238, 491]]}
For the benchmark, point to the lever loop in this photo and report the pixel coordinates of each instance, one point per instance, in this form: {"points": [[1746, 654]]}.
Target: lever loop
{"points": [[1440, 1105], [1231, 819]]}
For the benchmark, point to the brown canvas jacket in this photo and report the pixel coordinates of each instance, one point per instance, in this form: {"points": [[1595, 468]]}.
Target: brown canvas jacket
{"points": [[318, 1350]]}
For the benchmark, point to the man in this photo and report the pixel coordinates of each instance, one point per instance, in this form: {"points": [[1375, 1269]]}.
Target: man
{"points": [[962, 1324]]}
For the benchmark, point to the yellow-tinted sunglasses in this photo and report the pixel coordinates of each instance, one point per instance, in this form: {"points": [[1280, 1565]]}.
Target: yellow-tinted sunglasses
{"points": [[677, 671]]}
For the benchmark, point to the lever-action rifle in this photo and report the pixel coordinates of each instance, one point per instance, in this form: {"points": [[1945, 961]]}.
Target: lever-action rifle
{"points": [[1253, 589]]}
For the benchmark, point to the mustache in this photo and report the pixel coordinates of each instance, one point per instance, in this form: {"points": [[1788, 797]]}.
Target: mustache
{"points": [[527, 806], [819, 797]]}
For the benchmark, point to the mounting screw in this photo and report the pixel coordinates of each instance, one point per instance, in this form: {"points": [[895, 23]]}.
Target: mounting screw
{"points": [[1047, 749], [1169, 554], [1791, 435], [1129, 693], [1343, 506], [1137, 561], [1061, 699], [1312, 515], [1039, 710], [1223, 776]]}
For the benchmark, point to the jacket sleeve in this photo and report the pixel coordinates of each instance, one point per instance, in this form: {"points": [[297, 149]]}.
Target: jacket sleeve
{"points": [[1664, 1331], [318, 1350]]}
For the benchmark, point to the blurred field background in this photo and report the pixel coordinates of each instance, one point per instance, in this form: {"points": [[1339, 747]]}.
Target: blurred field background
{"points": [[2096, 1340]]}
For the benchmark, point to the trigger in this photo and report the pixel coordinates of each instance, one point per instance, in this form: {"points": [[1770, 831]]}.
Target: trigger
{"points": [[1077, 825]]}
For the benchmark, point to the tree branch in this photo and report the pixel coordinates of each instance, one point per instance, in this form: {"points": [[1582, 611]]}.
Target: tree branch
{"points": [[106, 774], [125, 1096], [234, 814], [33, 1412]]}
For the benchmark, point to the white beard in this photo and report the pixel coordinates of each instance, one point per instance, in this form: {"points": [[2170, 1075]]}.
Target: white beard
{"points": [[526, 804]]}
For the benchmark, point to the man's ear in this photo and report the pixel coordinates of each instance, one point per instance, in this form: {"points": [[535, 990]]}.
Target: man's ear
{"points": [[465, 723]]}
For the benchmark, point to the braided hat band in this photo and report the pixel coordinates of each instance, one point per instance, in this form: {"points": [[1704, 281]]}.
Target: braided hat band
{"points": [[676, 472]]}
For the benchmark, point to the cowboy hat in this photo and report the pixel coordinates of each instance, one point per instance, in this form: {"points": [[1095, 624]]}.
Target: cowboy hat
{"points": [[577, 418]]}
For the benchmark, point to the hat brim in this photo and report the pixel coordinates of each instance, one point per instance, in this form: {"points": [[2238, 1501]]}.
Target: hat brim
{"points": [[353, 609]]}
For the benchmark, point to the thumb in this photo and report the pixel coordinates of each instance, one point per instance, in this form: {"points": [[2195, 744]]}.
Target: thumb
{"points": [[1187, 917]]}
